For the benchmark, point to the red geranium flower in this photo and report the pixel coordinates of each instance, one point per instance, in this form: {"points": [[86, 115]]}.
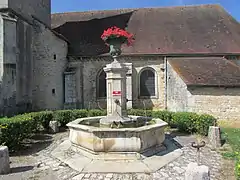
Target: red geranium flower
{"points": [[117, 33]]}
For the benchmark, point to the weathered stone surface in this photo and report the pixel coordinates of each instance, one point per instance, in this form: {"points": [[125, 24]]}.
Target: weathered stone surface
{"points": [[91, 67], [116, 90], [85, 164], [195, 172], [122, 143], [49, 56], [222, 103], [48, 163], [214, 137], [4, 160], [27, 8], [54, 126]]}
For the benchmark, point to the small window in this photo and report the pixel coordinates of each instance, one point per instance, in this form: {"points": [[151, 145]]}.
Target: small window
{"points": [[147, 83], [101, 85], [53, 91]]}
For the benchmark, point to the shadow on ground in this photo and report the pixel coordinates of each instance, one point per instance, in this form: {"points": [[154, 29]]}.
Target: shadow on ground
{"points": [[174, 140], [36, 143], [170, 145], [21, 169]]}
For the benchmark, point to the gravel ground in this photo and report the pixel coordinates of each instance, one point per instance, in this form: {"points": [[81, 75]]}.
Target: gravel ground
{"points": [[36, 163]]}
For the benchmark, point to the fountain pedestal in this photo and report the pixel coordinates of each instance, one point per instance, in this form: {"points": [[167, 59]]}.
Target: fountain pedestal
{"points": [[116, 93], [117, 135]]}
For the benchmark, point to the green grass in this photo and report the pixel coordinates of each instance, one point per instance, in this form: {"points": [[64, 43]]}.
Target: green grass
{"points": [[232, 137]]}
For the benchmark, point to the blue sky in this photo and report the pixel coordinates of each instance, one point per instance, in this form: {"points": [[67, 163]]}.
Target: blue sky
{"points": [[232, 6]]}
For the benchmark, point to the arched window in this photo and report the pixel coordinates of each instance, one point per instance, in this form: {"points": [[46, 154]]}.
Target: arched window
{"points": [[147, 83], [101, 85]]}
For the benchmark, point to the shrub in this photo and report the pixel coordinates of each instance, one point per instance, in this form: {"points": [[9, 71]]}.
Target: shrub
{"points": [[79, 113], [97, 112], [140, 112], [43, 117], [188, 122], [17, 129], [23, 126], [66, 116], [185, 121], [165, 116], [193, 123], [63, 116], [203, 123]]}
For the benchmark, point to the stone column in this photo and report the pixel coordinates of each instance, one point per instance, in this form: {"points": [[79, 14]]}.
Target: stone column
{"points": [[4, 160], [214, 137], [129, 85], [116, 88]]}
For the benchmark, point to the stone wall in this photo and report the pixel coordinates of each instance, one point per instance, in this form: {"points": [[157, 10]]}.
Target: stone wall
{"points": [[223, 103], [178, 97], [8, 61], [24, 66], [16, 65], [38, 8], [49, 54], [92, 66]]}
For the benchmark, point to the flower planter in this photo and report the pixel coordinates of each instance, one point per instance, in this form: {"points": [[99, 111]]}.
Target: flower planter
{"points": [[114, 37], [115, 46]]}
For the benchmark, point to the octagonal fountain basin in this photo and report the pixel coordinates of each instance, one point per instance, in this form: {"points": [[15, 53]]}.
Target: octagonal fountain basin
{"points": [[89, 138]]}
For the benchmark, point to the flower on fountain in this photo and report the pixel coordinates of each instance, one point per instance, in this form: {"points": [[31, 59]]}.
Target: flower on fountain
{"points": [[117, 33]]}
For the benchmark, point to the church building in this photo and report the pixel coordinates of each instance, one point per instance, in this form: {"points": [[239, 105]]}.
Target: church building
{"points": [[183, 58]]}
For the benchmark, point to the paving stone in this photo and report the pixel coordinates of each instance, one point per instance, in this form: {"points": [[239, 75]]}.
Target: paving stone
{"points": [[164, 174], [87, 175], [78, 177], [109, 175], [172, 171], [94, 175], [178, 170]]}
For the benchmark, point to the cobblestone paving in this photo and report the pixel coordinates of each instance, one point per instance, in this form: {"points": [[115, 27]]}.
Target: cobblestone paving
{"points": [[48, 168]]}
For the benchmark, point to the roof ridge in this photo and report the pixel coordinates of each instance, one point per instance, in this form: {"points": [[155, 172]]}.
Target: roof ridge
{"points": [[129, 9]]}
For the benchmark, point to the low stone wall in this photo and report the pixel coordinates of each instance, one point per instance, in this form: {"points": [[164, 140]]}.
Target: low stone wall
{"points": [[223, 103]]}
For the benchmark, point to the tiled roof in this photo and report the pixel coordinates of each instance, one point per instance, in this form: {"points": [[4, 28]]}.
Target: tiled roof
{"points": [[179, 30], [207, 71]]}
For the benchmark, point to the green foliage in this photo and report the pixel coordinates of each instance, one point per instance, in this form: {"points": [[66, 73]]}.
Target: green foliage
{"points": [[63, 116], [187, 122], [203, 123], [96, 112], [43, 118], [232, 138], [237, 166], [140, 112], [23, 126], [17, 129], [165, 116], [66, 116]]}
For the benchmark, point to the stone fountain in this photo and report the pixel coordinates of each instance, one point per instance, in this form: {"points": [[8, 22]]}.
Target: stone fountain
{"points": [[117, 135]]}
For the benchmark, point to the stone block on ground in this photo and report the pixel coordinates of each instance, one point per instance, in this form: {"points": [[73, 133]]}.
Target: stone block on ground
{"points": [[214, 137], [195, 172], [4, 160], [54, 126]]}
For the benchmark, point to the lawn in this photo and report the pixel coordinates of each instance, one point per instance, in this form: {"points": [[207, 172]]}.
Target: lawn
{"points": [[232, 137]]}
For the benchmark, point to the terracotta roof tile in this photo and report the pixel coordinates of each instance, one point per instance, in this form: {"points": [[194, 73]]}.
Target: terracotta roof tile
{"points": [[182, 30], [207, 71]]}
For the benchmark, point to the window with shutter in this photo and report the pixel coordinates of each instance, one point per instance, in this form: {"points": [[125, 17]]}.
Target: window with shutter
{"points": [[147, 83], [101, 85]]}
